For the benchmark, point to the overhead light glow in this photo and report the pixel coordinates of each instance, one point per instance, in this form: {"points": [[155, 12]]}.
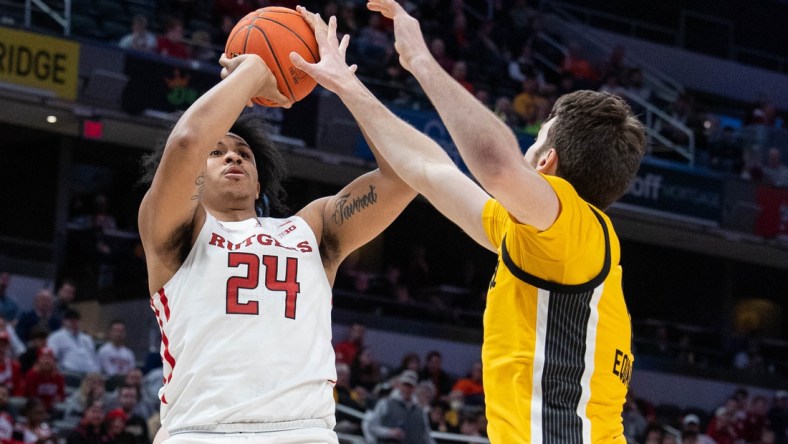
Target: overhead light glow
{"points": [[52, 119]]}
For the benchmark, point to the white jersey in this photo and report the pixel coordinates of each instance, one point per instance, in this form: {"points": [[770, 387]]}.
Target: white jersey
{"points": [[246, 331]]}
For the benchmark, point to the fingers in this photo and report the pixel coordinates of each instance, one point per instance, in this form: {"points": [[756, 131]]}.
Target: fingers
{"points": [[308, 16], [281, 100], [343, 45], [299, 62]]}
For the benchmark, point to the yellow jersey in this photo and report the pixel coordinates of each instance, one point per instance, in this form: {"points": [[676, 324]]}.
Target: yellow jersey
{"points": [[557, 334]]}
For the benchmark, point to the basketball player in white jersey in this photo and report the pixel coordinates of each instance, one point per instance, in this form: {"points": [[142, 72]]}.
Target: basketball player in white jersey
{"points": [[244, 302]]}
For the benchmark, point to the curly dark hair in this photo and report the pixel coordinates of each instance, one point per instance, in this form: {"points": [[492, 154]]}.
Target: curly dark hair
{"points": [[599, 143], [268, 161]]}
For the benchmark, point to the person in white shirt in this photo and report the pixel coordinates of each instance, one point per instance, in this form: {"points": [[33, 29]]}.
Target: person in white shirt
{"points": [[74, 349], [114, 357]]}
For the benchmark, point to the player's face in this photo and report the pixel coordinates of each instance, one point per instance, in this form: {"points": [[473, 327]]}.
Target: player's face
{"points": [[535, 150], [231, 174]]}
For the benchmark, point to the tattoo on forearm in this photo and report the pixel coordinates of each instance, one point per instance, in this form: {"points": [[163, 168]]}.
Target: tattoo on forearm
{"points": [[200, 182], [347, 207]]}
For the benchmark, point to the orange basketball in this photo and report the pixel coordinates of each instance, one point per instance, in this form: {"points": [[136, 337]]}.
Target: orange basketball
{"points": [[273, 33]]}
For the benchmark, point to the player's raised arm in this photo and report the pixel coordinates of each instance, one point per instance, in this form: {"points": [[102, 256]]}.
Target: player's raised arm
{"points": [[173, 200], [416, 158], [486, 144]]}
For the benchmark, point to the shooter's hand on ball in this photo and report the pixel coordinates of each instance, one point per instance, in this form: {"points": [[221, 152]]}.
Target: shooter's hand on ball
{"points": [[268, 86]]}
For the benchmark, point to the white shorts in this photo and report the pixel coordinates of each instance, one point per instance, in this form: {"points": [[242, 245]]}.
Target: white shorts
{"points": [[312, 435]]}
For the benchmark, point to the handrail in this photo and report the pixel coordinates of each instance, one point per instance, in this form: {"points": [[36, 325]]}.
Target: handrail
{"points": [[436, 435], [676, 36], [654, 76], [62, 20], [652, 111]]}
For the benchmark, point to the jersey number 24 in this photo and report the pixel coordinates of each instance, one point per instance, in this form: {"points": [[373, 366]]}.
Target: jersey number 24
{"points": [[251, 281]]}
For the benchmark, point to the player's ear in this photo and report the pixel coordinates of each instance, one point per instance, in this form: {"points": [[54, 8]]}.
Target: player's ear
{"points": [[548, 162]]}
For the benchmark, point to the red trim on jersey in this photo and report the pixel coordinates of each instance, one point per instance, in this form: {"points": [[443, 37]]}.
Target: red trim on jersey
{"points": [[164, 399], [163, 298], [166, 355]]}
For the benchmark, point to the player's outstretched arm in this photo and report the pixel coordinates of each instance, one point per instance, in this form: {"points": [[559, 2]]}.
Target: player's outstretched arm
{"points": [[486, 144], [416, 158], [172, 202]]}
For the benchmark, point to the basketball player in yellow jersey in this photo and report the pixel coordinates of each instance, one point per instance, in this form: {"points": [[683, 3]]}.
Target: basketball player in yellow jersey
{"points": [[556, 354]]}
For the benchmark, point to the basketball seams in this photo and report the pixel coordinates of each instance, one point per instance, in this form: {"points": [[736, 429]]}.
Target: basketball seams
{"points": [[277, 26], [276, 59], [231, 38], [296, 34]]}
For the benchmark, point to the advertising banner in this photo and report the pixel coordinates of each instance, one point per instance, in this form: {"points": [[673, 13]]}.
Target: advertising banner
{"points": [[39, 61], [677, 190]]}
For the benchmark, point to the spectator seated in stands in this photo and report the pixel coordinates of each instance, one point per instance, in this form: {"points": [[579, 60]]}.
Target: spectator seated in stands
{"points": [[470, 424], [74, 349], [437, 418], [140, 39], [64, 296], [397, 417], [345, 395], [37, 341], [114, 357], [91, 389], [504, 110], [202, 51], [172, 43], [42, 315], [33, 428], [365, 370], [634, 421], [149, 399], [9, 310], [7, 416], [115, 426], [90, 429], [527, 103], [409, 361], [11, 375], [44, 381], [576, 64], [128, 400], [15, 345], [691, 424], [438, 50], [471, 386], [433, 372], [374, 46], [347, 350], [751, 169], [775, 172]]}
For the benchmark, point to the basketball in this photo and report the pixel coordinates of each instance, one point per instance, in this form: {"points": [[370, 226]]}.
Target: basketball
{"points": [[273, 33]]}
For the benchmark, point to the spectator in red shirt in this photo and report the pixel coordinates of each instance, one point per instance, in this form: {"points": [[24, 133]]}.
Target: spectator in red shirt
{"points": [[44, 381], [172, 44], [7, 415], [347, 350], [755, 419], [471, 386], [10, 370]]}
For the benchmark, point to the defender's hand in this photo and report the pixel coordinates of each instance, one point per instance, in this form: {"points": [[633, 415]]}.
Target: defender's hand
{"points": [[331, 71], [409, 41]]}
